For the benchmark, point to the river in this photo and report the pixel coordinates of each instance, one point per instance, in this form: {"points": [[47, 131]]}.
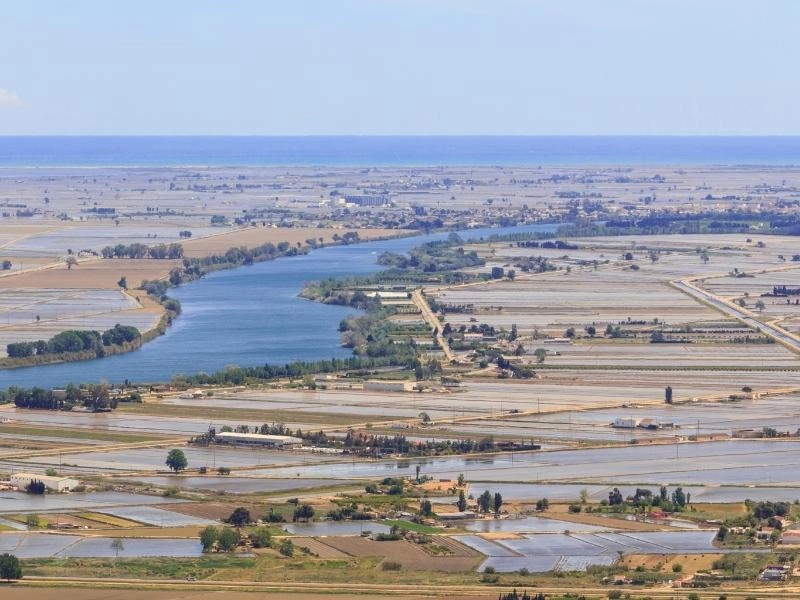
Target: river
{"points": [[246, 316]]}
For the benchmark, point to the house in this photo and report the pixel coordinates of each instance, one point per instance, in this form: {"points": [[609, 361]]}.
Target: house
{"points": [[58, 484]]}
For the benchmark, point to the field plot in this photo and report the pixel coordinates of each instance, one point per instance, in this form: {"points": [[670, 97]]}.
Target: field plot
{"points": [[160, 517], [644, 354], [243, 485], [92, 274], [738, 462], [152, 459], [410, 556], [39, 314], [575, 551], [20, 502], [530, 525], [44, 545], [342, 528], [552, 302], [683, 420]]}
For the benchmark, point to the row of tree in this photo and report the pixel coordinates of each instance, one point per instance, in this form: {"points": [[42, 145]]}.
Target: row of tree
{"points": [[75, 340], [95, 396], [139, 251]]}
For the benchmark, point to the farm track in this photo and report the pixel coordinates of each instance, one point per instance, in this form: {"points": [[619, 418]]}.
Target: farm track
{"points": [[310, 590]]}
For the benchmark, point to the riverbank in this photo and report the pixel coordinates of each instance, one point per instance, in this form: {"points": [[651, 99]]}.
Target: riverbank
{"points": [[165, 274]]}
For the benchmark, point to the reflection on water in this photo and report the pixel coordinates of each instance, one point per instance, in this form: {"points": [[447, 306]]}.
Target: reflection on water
{"points": [[260, 304]]}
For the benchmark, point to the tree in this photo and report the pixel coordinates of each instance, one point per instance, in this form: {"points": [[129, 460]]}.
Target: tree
{"points": [[117, 546], [570, 332], [678, 497], [760, 305], [240, 517], [286, 548], [485, 501], [123, 282], [208, 537], [426, 508], [591, 330], [304, 512], [668, 394], [261, 537], [6, 265], [176, 460], [461, 504], [542, 505], [540, 354], [498, 502], [425, 418], [228, 538], [9, 567], [36, 487], [32, 521], [461, 480], [71, 262]]}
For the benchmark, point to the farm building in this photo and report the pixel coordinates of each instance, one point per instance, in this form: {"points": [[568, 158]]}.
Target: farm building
{"points": [[389, 386], [59, 484], [257, 439]]}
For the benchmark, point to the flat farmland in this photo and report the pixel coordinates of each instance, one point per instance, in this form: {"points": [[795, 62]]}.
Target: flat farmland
{"points": [[257, 236], [555, 301], [728, 463], [152, 459], [34, 314], [410, 556], [643, 354], [703, 418]]}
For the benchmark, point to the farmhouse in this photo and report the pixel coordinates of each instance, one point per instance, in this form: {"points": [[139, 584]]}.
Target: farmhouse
{"points": [[59, 484], [257, 439]]}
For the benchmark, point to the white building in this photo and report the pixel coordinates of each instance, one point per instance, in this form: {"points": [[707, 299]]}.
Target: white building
{"points": [[257, 439], [59, 484]]}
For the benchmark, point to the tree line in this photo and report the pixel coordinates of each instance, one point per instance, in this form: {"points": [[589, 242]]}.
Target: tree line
{"points": [[75, 340], [139, 251], [93, 396]]}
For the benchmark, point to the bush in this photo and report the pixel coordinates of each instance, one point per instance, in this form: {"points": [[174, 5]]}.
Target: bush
{"points": [[614, 595], [390, 565], [574, 508], [286, 548], [677, 568]]}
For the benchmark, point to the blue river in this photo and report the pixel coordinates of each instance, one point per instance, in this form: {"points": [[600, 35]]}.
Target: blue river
{"points": [[246, 316]]}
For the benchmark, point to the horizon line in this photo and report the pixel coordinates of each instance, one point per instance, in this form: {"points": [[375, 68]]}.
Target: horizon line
{"points": [[401, 135]]}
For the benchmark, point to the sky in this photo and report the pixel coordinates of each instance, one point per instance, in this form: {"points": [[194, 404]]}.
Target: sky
{"points": [[399, 67]]}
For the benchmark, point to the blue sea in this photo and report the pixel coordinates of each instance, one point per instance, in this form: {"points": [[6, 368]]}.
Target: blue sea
{"points": [[396, 151]]}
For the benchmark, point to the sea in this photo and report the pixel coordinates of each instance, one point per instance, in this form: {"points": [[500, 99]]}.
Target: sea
{"points": [[377, 151]]}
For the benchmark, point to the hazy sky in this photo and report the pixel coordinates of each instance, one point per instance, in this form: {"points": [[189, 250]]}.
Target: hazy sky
{"points": [[411, 67]]}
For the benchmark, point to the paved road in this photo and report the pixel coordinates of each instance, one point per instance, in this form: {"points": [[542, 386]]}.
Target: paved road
{"points": [[433, 321], [780, 335]]}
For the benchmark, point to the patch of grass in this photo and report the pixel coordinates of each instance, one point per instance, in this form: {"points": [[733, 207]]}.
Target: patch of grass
{"points": [[148, 568]]}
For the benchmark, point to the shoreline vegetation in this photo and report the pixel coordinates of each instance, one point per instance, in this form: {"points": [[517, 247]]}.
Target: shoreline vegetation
{"points": [[29, 354], [436, 262]]}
